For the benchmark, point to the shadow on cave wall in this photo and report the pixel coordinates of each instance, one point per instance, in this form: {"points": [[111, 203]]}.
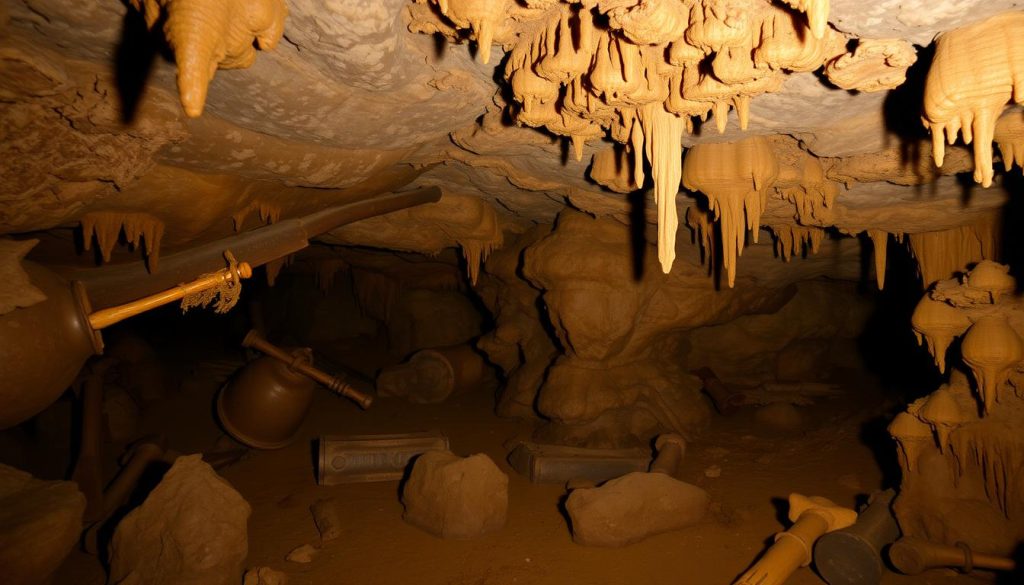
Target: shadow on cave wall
{"points": [[888, 347], [134, 60]]}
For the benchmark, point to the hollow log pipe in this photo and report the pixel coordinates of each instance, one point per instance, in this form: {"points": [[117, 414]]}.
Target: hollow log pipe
{"points": [[912, 556], [114, 285]]}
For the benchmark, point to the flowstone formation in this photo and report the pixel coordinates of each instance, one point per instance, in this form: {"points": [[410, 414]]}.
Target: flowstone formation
{"points": [[960, 448], [595, 340]]}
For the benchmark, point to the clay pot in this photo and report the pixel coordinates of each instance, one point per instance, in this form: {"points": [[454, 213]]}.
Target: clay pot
{"points": [[42, 348], [990, 348], [264, 404], [938, 323]]}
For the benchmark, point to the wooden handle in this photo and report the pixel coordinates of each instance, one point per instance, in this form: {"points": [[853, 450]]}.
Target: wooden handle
{"points": [[256, 341], [107, 317], [912, 556]]}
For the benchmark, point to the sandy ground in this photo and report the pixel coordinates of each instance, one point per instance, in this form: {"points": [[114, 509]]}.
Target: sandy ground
{"points": [[758, 469]]}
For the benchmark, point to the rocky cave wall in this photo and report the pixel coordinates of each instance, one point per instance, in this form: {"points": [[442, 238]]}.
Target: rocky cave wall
{"points": [[571, 141]]}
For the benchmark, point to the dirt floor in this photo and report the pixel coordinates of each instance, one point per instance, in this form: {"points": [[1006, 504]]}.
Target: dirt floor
{"points": [[748, 469]]}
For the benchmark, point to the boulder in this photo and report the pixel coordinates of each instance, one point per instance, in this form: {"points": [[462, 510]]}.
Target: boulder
{"points": [[455, 497], [631, 508], [40, 522], [191, 530]]}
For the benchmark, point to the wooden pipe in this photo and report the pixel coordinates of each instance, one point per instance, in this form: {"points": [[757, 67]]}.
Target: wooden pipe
{"points": [[912, 556], [298, 364], [670, 448], [88, 472]]}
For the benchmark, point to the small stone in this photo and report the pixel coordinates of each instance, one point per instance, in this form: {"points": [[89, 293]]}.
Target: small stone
{"points": [[631, 508], [303, 554], [713, 471], [325, 516], [191, 530], [455, 497], [40, 522], [264, 576]]}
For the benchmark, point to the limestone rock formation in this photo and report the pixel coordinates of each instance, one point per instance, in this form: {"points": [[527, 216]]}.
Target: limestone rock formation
{"points": [[191, 529], [630, 508], [975, 73], [960, 454], [455, 497], [40, 522]]}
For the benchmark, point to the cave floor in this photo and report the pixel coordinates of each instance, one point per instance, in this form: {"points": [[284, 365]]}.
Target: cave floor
{"points": [[830, 457]]}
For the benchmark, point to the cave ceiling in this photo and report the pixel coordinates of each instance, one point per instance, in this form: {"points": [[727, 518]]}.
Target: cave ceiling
{"points": [[359, 98]]}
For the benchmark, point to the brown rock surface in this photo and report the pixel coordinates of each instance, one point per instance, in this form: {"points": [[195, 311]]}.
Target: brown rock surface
{"points": [[191, 530], [631, 508], [40, 522], [455, 497]]}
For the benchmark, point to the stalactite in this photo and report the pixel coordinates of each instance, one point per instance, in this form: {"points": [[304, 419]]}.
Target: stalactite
{"points": [[736, 178], [106, 227], [880, 242], [792, 240], [207, 34], [998, 453], [704, 230], [1009, 135], [475, 253], [937, 324], [483, 17], [815, 195], [663, 134], [940, 254], [977, 70], [268, 213]]}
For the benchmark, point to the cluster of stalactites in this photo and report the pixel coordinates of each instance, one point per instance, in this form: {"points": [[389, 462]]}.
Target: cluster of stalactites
{"points": [[268, 213], [736, 178], [940, 254], [976, 72], [641, 71], [106, 228], [795, 240], [209, 34]]}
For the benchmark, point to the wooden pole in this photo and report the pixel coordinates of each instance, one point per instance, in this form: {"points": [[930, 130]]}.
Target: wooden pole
{"points": [[255, 341], [107, 317]]}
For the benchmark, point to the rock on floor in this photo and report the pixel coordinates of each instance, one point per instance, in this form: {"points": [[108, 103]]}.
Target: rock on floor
{"points": [[631, 508], [40, 522], [191, 530], [455, 497]]}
